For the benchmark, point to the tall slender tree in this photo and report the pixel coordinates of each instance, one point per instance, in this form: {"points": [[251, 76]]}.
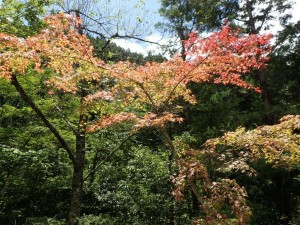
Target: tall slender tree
{"points": [[256, 16]]}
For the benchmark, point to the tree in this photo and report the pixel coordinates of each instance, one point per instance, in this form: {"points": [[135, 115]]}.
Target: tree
{"points": [[24, 19], [255, 15], [252, 16], [156, 87], [255, 22], [62, 48], [221, 59], [277, 147], [240, 152], [50, 48], [284, 66]]}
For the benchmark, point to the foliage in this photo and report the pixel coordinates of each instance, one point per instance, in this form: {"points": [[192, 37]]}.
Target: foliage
{"points": [[20, 169], [121, 181], [277, 144], [185, 16], [283, 71], [255, 15], [222, 59], [132, 187], [238, 152], [22, 18], [214, 196]]}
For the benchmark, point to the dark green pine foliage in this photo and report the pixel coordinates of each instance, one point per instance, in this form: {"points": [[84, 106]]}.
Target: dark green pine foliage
{"points": [[284, 71], [187, 15]]}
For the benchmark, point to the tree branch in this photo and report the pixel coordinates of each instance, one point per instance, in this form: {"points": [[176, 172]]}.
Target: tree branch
{"points": [[135, 38], [40, 114], [108, 156], [66, 120], [169, 142], [195, 190], [90, 18]]}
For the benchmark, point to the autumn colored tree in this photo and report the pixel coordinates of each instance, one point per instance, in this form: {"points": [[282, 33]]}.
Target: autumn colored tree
{"points": [[56, 47], [223, 58], [145, 95], [155, 88], [239, 152]]}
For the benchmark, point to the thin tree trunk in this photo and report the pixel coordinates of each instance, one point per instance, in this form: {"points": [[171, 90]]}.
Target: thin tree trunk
{"points": [[171, 166], [173, 163], [182, 38], [265, 97], [78, 168], [251, 22], [195, 204], [264, 88]]}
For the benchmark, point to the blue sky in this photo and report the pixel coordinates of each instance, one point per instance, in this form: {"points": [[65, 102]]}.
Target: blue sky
{"points": [[147, 11], [153, 6]]}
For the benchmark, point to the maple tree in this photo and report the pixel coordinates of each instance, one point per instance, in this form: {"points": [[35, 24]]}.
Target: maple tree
{"points": [[145, 95], [237, 152], [221, 58], [69, 54], [278, 145]]}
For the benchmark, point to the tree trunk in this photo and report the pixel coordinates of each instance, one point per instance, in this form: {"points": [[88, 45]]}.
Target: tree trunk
{"points": [[78, 168], [77, 182], [265, 96], [195, 204], [78, 159], [182, 37], [251, 22], [264, 89]]}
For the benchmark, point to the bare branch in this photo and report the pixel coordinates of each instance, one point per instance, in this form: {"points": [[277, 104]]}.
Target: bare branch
{"points": [[108, 156], [71, 126]]}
